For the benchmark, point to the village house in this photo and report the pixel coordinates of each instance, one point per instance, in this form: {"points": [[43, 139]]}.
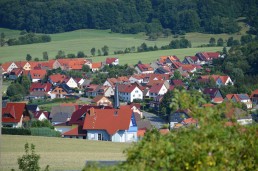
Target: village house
{"points": [[56, 78], [14, 115], [71, 82], [39, 90], [37, 75], [96, 66], [61, 91], [101, 101], [15, 73], [8, 67], [241, 98], [128, 92], [111, 82], [214, 94], [94, 90], [116, 125], [254, 97], [112, 61], [207, 57], [41, 115], [191, 60], [144, 69], [219, 79], [157, 89], [177, 118]]}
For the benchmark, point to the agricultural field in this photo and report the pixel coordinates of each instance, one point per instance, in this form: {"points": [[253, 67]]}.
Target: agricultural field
{"points": [[59, 153], [84, 40]]}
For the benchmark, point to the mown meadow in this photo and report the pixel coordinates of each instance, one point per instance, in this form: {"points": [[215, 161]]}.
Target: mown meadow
{"points": [[58, 153]]}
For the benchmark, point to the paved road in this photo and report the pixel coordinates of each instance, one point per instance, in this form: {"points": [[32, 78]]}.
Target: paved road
{"points": [[154, 119]]}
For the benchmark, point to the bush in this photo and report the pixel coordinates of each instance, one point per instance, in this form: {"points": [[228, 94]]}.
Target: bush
{"points": [[47, 132], [16, 131]]}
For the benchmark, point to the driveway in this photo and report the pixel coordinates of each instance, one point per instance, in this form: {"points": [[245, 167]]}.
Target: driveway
{"points": [[154, 119]]}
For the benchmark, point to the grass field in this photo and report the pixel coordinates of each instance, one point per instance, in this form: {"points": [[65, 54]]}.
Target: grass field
{"points": [[84, 40], [59, 153]]}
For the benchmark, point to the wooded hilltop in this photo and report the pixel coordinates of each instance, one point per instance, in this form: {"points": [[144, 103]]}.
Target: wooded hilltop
{"points": [[128, 16]]}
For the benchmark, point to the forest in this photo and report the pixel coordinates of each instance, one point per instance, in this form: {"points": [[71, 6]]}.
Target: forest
{"points": [[128, 16]]}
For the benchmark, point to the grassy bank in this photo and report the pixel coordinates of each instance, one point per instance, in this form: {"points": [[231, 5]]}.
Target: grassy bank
{"points": [[59, 153]]}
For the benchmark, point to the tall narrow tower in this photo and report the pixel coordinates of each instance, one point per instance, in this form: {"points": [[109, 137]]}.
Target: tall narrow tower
{"points": [[117, 103]]}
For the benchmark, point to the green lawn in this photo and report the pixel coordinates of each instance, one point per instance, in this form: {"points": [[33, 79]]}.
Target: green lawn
{"points": [[84, 40], [59, 153]]}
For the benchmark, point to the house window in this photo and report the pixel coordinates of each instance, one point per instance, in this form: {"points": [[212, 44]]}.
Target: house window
{"points": [[100, 137]]}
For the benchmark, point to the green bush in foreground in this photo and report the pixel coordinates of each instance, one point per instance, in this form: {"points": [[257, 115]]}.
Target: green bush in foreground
{"points": [[210, 146]]}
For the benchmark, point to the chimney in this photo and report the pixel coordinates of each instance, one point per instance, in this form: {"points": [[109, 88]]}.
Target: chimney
{"points": [[116, 96], [92, 111]]}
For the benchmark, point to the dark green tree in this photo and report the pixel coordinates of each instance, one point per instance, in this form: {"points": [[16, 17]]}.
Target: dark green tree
{"points": [[85, 68], [60, 54], [45, 56], [80, 54], [99, 53], [2, 39], [220, 42], [28, 57], [71, 55], [246, 39], [105, 50], [212, 41], [230, 41], [93, 51]]}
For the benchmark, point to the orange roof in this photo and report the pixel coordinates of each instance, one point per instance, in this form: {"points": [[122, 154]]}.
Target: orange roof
{"points": [[77, 131], [57, 77], [96, 65], [254, 92], [20, 64], [141, 132], [208, 105], [126, 88], [190, 121], [111, 120], [15, 110], [6, 65], [164, 131], [217, 100], [98, 98], [188, 67], [37, 74]]}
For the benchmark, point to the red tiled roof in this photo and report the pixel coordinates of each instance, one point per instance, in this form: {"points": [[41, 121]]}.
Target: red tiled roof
{"points": [[96, 65], [57, 78], [253, 93], [189, 121], [77, 131], [217, 100], [15, 110], [16, 71], [37, 74], [156, 88], [20, 64], [110, 60], [126, 88], [188, 67], [177, 83], [145, 67], [141, 132], [6, 65], [77, 118], [164, 131], [111, 120], [45, 86]]}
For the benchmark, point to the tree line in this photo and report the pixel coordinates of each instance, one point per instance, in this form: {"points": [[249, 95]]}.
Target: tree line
{"points": [[150, 16]]}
